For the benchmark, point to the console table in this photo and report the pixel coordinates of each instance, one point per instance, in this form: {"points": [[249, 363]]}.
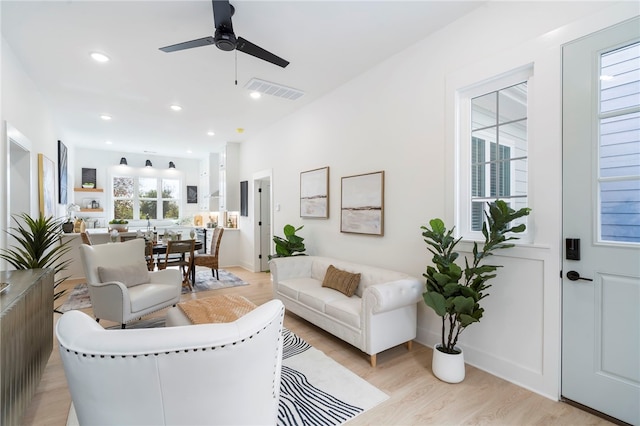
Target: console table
{"points": [[26, 338]]}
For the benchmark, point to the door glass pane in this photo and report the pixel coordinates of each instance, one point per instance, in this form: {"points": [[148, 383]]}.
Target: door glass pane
{"points": [[513, 103], [620, 78], [619, 145]]}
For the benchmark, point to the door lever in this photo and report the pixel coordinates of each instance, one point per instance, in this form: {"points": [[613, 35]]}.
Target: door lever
{"points": [[575, 276]]}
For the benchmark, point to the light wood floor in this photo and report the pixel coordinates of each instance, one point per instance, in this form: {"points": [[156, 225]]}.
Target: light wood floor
{"points": [[416, 396]]}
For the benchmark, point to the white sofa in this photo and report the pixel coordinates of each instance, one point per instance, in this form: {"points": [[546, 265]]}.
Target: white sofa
{"points": [[209, 374], [380, 315]]}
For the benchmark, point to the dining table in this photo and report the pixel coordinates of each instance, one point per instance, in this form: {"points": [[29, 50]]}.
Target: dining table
{"points": [[160, 247]]}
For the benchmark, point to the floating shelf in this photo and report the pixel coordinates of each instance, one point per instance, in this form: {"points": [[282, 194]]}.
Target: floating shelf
{"points": [[91, 210], [88, 189]]}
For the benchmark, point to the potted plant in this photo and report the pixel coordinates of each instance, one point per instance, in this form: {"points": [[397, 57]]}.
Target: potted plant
{"points": [[119, 225], [454, 293], [291, 245], [38, 246]]}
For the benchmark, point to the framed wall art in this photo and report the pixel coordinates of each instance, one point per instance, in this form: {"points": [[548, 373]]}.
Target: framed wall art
{"points": [[192, 194], [362, 208], [314, 193], [62, 173], [46, 186]]}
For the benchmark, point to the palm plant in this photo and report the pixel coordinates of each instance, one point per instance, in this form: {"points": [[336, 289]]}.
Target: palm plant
{"points": [[453, 293], [38, 246]]}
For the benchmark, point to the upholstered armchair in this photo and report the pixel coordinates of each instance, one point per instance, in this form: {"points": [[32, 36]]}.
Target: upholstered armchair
{"points": [[121, 287], [209, 374]]}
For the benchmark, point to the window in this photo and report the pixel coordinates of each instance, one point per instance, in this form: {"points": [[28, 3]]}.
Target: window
{"points": [[619, 147], [139, 197], [492, 148]]}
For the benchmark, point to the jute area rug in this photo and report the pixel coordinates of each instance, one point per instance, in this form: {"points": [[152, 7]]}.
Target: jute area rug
{"points": [[315, 390], [79, 296]]}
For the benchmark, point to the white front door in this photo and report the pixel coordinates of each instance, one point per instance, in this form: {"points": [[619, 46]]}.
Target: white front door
{"points": [[601, 222]]}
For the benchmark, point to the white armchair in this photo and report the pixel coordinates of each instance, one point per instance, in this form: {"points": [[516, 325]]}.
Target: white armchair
{"points": [[120, 286], [210, 374]]}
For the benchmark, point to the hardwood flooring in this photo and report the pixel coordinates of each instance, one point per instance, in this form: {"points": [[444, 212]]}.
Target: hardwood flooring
{"points": [[416, 396]]}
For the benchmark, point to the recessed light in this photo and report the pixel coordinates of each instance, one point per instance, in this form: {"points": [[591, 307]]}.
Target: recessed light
{"points": [[109, 142], [99, 57], [210, 133], [189, 151], [105, 117], [255, 95], [239, 130], [176, 107]]}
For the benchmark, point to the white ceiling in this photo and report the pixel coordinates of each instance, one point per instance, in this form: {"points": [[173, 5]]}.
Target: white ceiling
{"points": [[327, 42]]}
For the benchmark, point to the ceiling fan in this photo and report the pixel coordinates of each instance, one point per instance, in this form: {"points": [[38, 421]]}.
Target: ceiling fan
{"points": [[225, 39]]}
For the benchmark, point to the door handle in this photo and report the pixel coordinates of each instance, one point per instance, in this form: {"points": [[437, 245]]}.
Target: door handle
{"points": [[575, 276]]}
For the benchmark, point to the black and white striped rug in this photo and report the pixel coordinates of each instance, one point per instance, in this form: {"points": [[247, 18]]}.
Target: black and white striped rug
{"points": [[316, 390]]}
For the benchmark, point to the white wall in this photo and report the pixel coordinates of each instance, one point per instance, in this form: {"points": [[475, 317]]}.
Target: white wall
{"points": [[23, 108], [400, 117]]}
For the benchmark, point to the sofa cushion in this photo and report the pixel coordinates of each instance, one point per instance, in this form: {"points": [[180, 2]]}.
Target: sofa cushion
{"points": [[346, 310], [317, 297], [129, 275], [291, 287], [343, 281]]}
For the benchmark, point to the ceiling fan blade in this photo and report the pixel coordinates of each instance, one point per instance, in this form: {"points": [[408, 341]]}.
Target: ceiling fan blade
{"points": [[188, 44], [222, 12], [257, 51]]}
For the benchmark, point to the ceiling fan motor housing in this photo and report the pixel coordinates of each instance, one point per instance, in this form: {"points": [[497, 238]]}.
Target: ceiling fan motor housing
{"points": [[225, 40]]}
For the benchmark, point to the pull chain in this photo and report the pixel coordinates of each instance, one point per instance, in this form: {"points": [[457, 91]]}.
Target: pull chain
{"points": [[236, 52]]}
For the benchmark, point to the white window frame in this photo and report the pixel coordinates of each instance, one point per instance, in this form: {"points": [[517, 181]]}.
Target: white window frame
{"points": [[464, 97], [145, 172]]}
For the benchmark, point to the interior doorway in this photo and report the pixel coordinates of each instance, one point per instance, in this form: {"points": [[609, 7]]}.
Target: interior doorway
{"points": [[262, 221], [18, 180]]}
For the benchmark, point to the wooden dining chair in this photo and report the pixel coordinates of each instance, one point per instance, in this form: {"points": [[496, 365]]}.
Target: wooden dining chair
{"points": [[85, 238], [210, 260], [185, 249]]}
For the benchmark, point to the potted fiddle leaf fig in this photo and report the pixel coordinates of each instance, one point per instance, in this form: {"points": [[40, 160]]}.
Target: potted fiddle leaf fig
{"points": [[290, 245], [454, 292], [38, 246]]}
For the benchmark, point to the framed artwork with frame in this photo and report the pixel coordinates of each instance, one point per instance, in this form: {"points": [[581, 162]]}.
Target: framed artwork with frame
{"points": [[362, 208], [314, 193], [46, 186], [62, 173], [192, 194]]}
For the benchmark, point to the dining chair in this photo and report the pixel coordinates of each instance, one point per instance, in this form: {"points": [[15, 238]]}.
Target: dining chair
{"points": [[184, 261], [210, 260], [85, 238]]}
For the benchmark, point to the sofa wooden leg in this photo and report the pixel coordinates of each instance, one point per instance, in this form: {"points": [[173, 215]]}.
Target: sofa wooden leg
{"points": [[409, 345], [373, 360]]}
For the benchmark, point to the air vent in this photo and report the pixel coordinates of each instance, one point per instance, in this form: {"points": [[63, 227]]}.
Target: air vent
{"points": [[273, 89]]}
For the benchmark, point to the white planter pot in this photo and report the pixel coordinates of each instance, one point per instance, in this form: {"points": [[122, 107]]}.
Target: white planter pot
{"points": [[448, 367]]}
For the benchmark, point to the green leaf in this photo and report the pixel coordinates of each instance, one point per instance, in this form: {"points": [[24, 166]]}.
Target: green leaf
{"points": [[463, 305], [466, 320], [435, 301]]}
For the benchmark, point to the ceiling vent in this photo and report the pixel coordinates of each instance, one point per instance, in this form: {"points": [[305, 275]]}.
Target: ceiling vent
{"points": [[273, 89]]}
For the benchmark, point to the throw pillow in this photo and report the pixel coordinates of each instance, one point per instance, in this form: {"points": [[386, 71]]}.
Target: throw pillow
{"points": [[343, 281], [128, 275]]}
